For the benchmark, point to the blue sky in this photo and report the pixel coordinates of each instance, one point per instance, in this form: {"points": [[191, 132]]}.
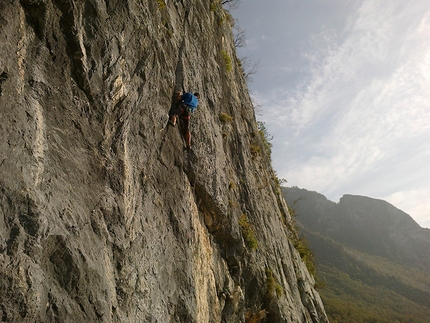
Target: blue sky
{"points": [[344, 88]]}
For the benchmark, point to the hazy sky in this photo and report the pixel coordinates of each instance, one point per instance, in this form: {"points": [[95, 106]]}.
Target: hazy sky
{"points": [[344, 88]]}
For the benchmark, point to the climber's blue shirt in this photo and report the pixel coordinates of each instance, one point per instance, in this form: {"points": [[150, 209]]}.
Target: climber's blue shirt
{"points": [[190, 100]]}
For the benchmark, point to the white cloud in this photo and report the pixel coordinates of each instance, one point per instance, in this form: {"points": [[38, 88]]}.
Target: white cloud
{"points": [[344, 90], [364, 113]]}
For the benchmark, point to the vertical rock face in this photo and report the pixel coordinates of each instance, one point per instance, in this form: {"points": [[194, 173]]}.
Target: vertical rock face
{"points": [[103, 215]]}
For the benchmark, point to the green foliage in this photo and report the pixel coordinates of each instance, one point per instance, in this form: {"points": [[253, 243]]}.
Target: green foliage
{"points": [[404, 275], [278, 290], [364, 288], [273, 287], [225, 117], [226, 17], [302, 246], [227, 61], [265, 144], [255, 150], [278, 181], [248, 232], [161, 4], [265, 138], [215, 5], [347, 300], [292, 211]]}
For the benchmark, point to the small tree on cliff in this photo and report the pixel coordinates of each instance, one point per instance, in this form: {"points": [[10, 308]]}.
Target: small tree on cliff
{"points": [[232, 4]]}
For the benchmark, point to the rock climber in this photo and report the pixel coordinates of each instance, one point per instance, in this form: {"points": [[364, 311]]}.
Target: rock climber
{"points": [[187, 103]]}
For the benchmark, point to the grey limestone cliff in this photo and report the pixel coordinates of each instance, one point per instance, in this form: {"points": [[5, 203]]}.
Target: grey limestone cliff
{"points": [[104, 217]]}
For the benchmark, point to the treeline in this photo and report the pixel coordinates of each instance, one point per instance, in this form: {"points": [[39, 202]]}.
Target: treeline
{"points": [[347, 300]]}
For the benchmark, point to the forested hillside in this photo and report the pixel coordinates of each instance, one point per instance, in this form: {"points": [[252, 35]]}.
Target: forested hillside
{"points": [[370, 257]]}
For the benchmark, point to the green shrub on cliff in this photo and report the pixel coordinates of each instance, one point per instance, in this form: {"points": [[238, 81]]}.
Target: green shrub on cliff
{"points": [[161, 4], [265, 138], [227, 61], [248, 232], [225, 117], [302, 246], [273, 287]]}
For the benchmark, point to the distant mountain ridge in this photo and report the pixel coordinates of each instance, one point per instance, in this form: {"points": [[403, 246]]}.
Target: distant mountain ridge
{"points": [[369, 225], [373, 257]]}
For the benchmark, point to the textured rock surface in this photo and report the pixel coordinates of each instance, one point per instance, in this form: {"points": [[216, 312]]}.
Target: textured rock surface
{"points": [[103, 215]]}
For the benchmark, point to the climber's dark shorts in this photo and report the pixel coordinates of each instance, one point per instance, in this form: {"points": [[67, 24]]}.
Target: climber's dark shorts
{"points": [[182, 112]]}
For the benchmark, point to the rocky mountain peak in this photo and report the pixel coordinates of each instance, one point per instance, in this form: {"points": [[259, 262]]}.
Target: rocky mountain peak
{"points": [[367, 224], [379, 212]]}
